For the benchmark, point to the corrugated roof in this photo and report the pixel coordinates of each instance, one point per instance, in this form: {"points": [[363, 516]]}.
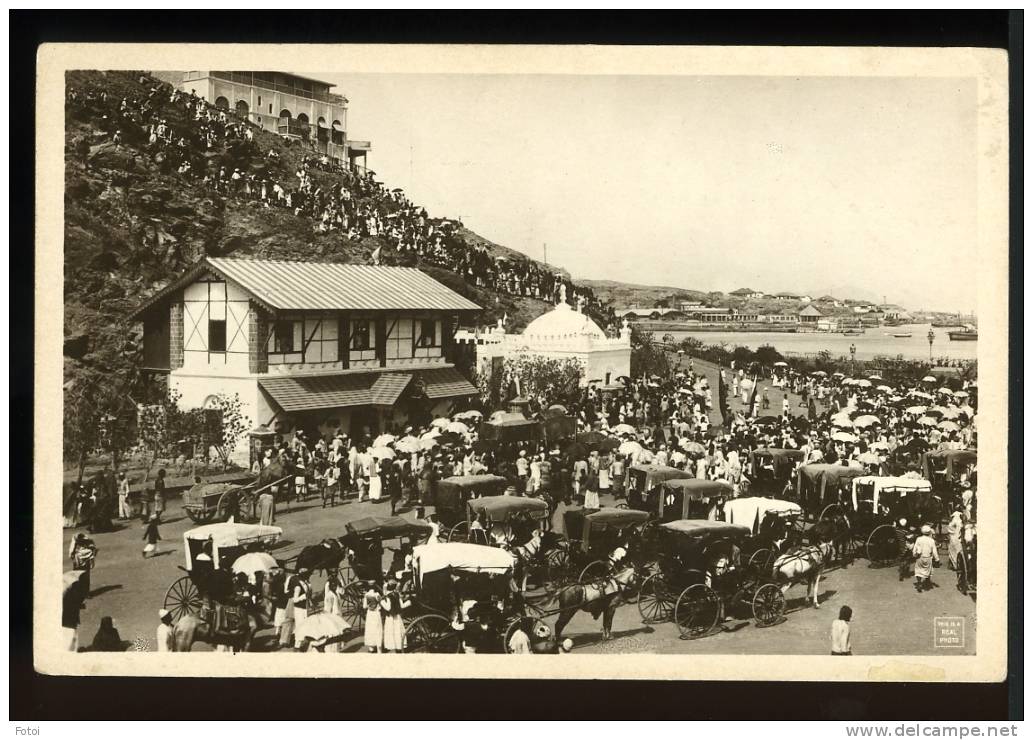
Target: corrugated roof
{"points": [[334, 286], [388, 387], [446, 382], [302, 393]]}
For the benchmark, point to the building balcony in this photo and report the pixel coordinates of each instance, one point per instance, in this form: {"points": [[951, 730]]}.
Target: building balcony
{"points": [[293, 127], [358, 148]]}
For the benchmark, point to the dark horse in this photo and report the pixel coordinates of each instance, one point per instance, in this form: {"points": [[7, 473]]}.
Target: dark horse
{"points": [[833, 528], [600, 597], [326, 556]]}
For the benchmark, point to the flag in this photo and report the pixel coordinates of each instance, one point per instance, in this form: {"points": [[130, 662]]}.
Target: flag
{"points": [[375, 257], [753, 397]]}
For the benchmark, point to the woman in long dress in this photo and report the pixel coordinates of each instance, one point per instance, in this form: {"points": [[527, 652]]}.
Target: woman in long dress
{"points": [[392, 606], [300, 600], [373, 637], [375, 481], [267, 508]]}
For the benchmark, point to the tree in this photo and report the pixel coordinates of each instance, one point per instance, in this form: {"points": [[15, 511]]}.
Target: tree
{"points": [[226, 427], [548, 380], [647, 358]]}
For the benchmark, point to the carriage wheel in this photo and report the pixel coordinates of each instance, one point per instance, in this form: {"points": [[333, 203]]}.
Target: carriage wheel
{"points": [[831, 508], [183, 598], [459, 533], [558, 566], [527, 624], [761, 561], [697, 611], [655, 600], [768, 605], [595, 571], [431, 633], [881, 547], [352, 609], [621, 505], [200, 516]]}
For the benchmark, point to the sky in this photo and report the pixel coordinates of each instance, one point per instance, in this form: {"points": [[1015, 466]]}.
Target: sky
{"points": [[862, 187]]}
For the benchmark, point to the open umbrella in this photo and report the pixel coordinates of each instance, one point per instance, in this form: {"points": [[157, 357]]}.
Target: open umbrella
{"points": [[868, 458], [688, 445], [629, 447], [884, 388], [879, 446], [952, 412], [927, 421], [961, 394], [471, 414], [432, 434], [255, 562], [381, 453], [863, 383], [842, 419], [946, 391], [819, 373], [837, 375], [948, 426], [623, 429], [428, 443], [781, 364], [844, 437], [915, 410], [928, 379], [457, 427], [441, 422], [384, 440], [874, 377], [867, 421], [408, 446]]}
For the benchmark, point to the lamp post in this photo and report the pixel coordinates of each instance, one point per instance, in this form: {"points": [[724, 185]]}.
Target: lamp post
{"points": [[930, 336], [853, 365]]}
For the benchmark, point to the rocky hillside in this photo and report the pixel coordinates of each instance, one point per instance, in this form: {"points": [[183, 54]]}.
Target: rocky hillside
{"points": [[133, 223], [624, 295]]}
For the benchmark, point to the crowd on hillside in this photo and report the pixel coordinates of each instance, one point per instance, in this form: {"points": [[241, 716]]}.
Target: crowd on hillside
{"points": [[183, 133]]}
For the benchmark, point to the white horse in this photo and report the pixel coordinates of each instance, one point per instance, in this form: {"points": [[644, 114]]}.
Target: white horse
{"points": [[802, 564], [526, 554]]}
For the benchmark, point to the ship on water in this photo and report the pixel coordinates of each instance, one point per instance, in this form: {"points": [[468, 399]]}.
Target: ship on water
{"points": [[967, 334]]}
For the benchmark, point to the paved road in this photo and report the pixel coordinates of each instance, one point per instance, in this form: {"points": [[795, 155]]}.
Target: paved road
{"points": [[889, 617]]}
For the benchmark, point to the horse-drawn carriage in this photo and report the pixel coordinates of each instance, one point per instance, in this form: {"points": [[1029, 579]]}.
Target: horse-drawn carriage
{"points": [[820, 484], [701, 576], [776, 525], [462, 595], [644, 483], [452, 495], [772, 469], [690, 498], [206, 502], [593, 537], [868, 520]]}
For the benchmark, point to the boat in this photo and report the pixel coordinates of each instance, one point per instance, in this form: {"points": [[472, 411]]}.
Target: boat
{"points": [[853, 332], [904, 335], [968, 334], [945, 324]]}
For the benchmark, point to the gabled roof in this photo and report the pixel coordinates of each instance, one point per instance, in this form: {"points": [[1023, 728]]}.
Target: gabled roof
{"points": [[810, 311], [280, 285]]}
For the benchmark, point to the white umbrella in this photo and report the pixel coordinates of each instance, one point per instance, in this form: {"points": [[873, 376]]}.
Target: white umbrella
{"points": [[837, 375], [781, 364], [471, 414], [874, 377], [844, 437], [879, 445], [381, 453], [408, 445], [630, 447], [428, 443], [952, 412], [928, 379], [863, 383], [948, 426], [384, 440], [961, 394], [623, 429], [458, 427], [255, 562], [947, 391], [819, 373], [915, 410], [869, 458], [927, 421], [884, 388], [321, 627], [842, 419], [441, 422], [866, 421], [432, 434]]}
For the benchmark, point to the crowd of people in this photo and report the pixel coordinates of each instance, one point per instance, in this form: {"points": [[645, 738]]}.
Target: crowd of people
{"points": [[183, 134]]}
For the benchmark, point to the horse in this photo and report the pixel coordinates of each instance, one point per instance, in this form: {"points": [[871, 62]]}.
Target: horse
{"points": [[326, 556], [527, 555], [835, 530], [596, 598], [802, 564], [191, 628]]}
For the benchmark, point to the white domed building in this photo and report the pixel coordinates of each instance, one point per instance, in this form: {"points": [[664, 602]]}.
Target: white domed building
{"points": [[564, 332]]}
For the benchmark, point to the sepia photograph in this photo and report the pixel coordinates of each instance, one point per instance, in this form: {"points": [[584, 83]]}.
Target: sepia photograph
{"points": [[630, 363]]}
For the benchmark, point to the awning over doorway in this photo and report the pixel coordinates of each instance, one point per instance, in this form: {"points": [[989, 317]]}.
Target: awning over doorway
{"points": [[310, 392]]}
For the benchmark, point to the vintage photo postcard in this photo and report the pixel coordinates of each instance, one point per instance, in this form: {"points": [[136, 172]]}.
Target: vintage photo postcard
{"points": [[539, 362]]}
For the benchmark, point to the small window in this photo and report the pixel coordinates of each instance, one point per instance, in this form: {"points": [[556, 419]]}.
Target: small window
{"points": [[360, 336], [259, 99], [270, 109], [216, 336], [426, 337], [284, 339]]}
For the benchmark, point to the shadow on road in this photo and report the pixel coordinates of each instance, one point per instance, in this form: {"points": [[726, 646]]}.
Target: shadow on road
{"points": [[104, 589]]}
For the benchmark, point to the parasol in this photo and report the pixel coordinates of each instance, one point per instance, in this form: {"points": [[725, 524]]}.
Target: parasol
{"points": [[928, 379], [915, 410], [867, 421], [384, 440], [844, 437], [457, 427], [623, 429], [868, 458], [949, 426], [381, 453], [408, 445], [819, 373], [927, 421], [255, 562], [428, 443], [629, 447], [441, 422], [781, 364], [321, 627]]}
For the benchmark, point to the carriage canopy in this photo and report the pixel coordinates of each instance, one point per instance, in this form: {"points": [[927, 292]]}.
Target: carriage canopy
{"points": [[705, 528], [781, 458], [387, 527], [225, 536], [821, 478], [461, 556], [750, 511], [609, 519], [678, 495], [502, 508], [887, 484], [482, 485], [650, 476], [953, 461]]}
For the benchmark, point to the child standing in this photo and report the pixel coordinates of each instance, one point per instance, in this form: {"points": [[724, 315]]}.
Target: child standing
{"points": [[841, 632], [151, 536]]}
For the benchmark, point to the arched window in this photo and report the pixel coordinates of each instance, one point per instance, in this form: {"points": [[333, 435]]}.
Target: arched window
{"points": [[302, 118], [321, 122], [242, 108], [285, 113], [221, 103]]}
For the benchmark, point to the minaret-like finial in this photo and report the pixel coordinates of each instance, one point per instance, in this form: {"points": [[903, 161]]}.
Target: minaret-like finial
{"points": [[563, 293]]}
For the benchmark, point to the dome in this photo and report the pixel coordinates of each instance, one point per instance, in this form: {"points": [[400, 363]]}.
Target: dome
{"points": [[563, 321]]}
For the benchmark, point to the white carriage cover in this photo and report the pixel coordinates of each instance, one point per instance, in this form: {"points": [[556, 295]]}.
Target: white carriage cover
{"points": [[883, 483], [461, 556], [750, 511], [229, 534]]}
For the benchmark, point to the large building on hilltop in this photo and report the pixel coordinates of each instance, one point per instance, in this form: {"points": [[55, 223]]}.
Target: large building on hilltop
{"points": [[294, 106], [310, 346], [564, 332]]}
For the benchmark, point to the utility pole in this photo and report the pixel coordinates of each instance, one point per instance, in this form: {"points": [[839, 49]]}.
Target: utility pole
{"points": [[545, 253]]}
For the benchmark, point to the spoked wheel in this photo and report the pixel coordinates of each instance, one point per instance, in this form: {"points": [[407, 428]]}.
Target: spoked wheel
{"points": [[768, 605], [558, 566], [881, 547], [830, 510], [527, 624], [761, 561], [697, 611], [352, 608], [201, 516], [459, 533], [183, 598], [431, 633], [248, 507], [655, 600], [597, 570]]}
